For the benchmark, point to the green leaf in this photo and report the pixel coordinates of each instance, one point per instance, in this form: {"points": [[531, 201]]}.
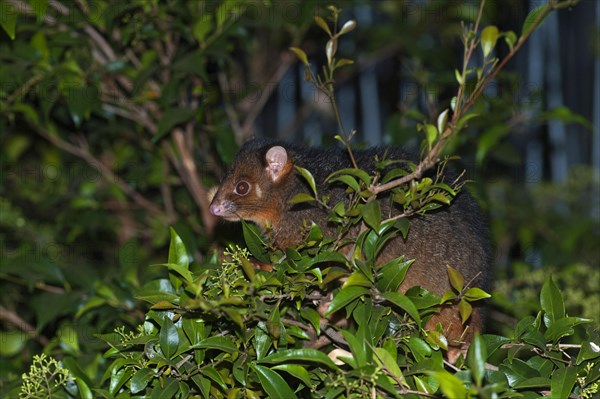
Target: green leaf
{"points": [[450, 385], [169, 338], [404, 303], [273, 384], [510, 38], [358, 347], [459, 79], [202, 27], [182, 271], [589, 350], [300, 198], [297, 371], [442, 120], [177, 252], [563, 327], [490, 138], [254, 242], [118, 379], [463, 121], [562, 382], [344, 297], [477, 356], [349, 181], [392, 274], [171, 118], [81, 378], [389, 363], [465, 309], [321, 22], [224, 344], [309, 178], [140, 380], [347, 27], [8, 19], [552, 303], [300, 54], [357, 279], [431, 133], [262, 341], [457, 280], [518, 371], [359, 173], [249, 268], [80, 102], [203, 384], [564, 114], [476, 294], [371, 213], [532, 17], [313, 317], [489, 36], [168, 388], [300, 355]]}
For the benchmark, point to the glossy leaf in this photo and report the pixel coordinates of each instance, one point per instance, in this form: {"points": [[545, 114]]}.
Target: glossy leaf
{"points": [[359, 173], [344, 297], [392, 274], [552, 302], [404, 303], [140, 380], [169, 338], [475, 294], [300, 198], [563, 381], [389, 363], [224, 344], [477, 356], [254, 241], [371, 213], [309, 179], [273, 384], [300, 355], [348, 180], [450, 385], [297, 371]]}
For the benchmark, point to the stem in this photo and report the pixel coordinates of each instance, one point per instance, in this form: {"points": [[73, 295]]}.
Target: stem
{"points": [[341, 126]]}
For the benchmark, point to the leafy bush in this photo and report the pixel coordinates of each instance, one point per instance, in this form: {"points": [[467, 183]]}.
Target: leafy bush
{"points": [[318, 324], [225, 329]]}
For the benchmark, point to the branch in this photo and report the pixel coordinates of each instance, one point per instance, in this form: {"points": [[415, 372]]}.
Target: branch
{"points": [[108, 174], [14, 319], [186, 168], [286, 62]]}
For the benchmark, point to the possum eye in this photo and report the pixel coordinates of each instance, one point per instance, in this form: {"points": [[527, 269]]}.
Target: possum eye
{"points": [[242, 188]]}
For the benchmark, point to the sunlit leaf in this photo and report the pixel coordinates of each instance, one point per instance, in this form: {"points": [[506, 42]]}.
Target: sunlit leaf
{"points": [[300, 54], [489, 36]]}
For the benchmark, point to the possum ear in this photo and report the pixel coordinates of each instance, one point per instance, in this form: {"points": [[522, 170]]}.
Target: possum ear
{"points": [[278, 163]]}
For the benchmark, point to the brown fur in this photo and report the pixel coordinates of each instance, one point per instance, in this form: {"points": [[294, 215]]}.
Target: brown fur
{"points": [[454, 236]]}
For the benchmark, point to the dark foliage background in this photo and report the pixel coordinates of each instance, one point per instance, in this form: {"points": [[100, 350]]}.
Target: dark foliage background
{"points": [[118, 117]]}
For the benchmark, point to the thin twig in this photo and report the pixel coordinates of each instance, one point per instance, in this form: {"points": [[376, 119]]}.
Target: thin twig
{"points": [[14, 319], [106, 172]]}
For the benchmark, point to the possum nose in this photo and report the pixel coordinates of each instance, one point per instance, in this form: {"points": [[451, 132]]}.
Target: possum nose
{"points": [[217, 209]]}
